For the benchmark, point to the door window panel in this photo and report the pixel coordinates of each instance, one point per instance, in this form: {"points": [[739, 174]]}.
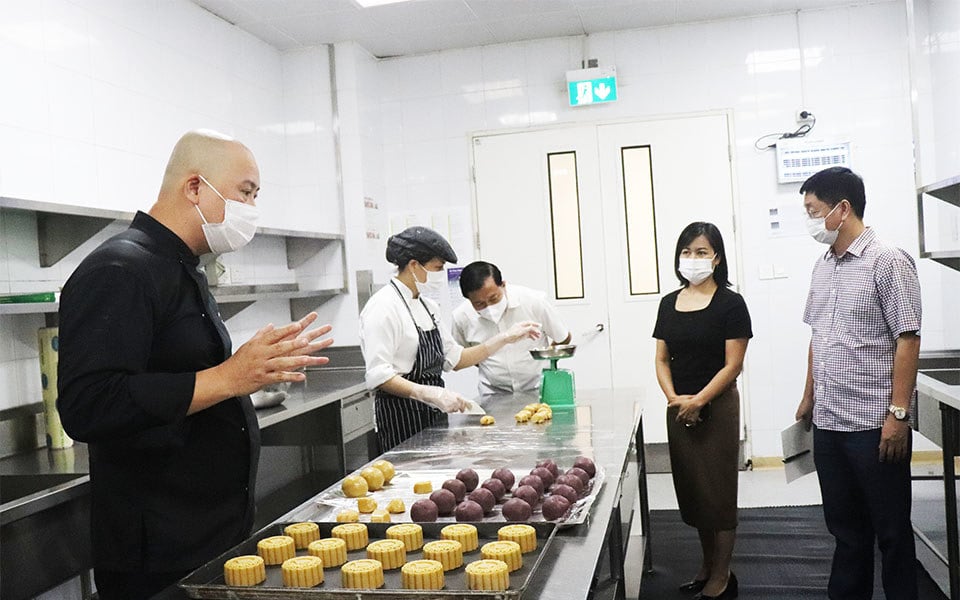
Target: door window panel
{"points": [[640, 220], [565, 225]]}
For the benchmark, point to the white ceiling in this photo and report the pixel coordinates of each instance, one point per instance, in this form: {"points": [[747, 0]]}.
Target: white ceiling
{"points": [[419, 26]]}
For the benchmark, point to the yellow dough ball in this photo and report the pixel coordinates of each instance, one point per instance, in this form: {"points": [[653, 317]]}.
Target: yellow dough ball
{"points": [[354, 486], [244, 570], [396, 506], [523, 416], [385, 467], [366, 505], [374, 478], [380, 516], [532, 408], [422, 487], [348, 516], [487, 420]]}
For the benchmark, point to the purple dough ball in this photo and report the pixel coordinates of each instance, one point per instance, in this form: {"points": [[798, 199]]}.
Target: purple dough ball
{"points": [[527, 494], [555, 507], [505, 476], [587, 465], [484, 498], [583, 475], [573, 481], [424, 511], [545, 476], [445, 501], [468, 510], [566, 491], [469, 478], [456, 486], [551, 465], [516, 509], [496, 486], [534, 482]]}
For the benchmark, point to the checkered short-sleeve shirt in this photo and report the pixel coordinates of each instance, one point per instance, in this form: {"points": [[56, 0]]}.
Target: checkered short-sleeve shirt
{"points": [[858, 304]]}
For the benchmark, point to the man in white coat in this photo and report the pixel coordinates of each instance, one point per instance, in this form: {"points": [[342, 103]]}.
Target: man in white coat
{"points": [[493, 307]]}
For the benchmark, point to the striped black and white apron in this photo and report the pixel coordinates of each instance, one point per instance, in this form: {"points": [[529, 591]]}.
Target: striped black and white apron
{"points": [[400, 418]]}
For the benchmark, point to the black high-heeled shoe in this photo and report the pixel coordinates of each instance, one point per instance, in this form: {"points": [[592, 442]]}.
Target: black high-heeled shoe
{"points": [[731, 591], [693, 586]]}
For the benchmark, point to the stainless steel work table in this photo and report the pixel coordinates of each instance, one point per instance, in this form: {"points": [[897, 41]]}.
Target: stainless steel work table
{"points": [[604, 424], [54, 486]]}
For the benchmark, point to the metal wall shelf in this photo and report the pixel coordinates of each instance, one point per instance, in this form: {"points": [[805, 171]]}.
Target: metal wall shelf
{"points": [[63, 228], [948, 191]]}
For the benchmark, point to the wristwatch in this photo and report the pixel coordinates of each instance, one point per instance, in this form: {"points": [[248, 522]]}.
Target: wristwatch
{"points": [[899, 413]]}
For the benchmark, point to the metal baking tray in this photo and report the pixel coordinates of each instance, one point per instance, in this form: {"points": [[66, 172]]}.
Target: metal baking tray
{"points": [[332, 500], [208, 582]]}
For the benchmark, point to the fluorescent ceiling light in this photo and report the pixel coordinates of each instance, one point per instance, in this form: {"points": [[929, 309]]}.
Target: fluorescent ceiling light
{"points": [[369, 3]]}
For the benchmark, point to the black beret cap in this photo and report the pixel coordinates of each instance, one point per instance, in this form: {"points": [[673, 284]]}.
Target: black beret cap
{"points": [[420, 244]]}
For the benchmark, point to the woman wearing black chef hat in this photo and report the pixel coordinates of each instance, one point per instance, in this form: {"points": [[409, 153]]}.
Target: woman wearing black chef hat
{"points": [[406, 348]]}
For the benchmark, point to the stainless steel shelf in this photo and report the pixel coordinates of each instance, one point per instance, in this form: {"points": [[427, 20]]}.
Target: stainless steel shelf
{"points": [[62, 228], [948, 191]]}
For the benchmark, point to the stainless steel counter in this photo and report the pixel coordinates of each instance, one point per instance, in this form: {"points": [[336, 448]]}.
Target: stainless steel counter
{"points": [[49, 489], [938, 418], [605, 424]]}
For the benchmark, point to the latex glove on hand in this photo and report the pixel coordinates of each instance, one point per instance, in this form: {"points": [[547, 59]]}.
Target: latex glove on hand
{"points": [[524, 330], [443, 399]]}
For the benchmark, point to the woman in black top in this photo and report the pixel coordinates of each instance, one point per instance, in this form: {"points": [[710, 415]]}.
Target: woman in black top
{"points": [[702, 332]]}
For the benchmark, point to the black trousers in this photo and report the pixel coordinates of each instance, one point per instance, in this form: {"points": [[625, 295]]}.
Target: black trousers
{"points": [[865, 501], [117, 585]]}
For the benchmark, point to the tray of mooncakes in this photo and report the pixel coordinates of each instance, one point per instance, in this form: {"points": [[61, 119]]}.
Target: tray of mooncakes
{"points": [[339, 560]]}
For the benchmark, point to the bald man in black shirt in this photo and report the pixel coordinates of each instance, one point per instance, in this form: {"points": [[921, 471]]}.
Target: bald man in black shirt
{"points": [[148, 380]]}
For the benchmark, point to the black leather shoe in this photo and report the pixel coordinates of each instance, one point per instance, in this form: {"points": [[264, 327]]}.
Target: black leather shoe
{"points": [[693, 586], [728, 593]]}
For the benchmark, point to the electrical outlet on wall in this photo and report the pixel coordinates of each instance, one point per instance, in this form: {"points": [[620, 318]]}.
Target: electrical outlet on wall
{"points": [[804, 116]]}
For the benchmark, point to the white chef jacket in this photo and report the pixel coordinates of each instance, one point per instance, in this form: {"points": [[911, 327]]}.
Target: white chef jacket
{"points": [[388, 337], [512, 369]]}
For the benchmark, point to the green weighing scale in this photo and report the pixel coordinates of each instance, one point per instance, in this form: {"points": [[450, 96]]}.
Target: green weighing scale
{"points": [[556, 385]]}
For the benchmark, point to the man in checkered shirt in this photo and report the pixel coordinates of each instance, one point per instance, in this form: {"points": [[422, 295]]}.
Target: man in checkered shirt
{"points": [[864, 312]]}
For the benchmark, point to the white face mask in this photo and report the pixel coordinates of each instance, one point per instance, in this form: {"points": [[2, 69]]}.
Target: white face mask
{"points": [[494, 312], [434, 282], [817, 226], [696, 270], [237, 229]]}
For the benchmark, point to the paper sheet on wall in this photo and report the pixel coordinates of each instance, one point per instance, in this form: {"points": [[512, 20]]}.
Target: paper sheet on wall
{"points": [[797, 444]]}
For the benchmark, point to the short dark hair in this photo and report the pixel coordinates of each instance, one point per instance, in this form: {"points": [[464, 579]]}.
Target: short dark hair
{"points": [[475, 275], [709, 231], [835, 184]]}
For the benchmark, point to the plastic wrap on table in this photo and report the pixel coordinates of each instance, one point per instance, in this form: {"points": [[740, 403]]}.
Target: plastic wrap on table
{"points": [[332, 501]]}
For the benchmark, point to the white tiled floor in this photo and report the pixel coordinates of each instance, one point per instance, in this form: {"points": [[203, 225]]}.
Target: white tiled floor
{"points": [[761, 487]]}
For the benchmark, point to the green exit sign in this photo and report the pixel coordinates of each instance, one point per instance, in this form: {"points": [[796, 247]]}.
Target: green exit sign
{"points": [[592, 86]]}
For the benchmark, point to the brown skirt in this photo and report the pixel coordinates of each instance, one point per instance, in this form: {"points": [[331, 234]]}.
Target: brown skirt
{"points": [[704, 464]]}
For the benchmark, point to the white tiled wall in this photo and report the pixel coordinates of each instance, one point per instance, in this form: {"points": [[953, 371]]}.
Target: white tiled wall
{"points": [[854, 76], [95, 94], [937, 33]]}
